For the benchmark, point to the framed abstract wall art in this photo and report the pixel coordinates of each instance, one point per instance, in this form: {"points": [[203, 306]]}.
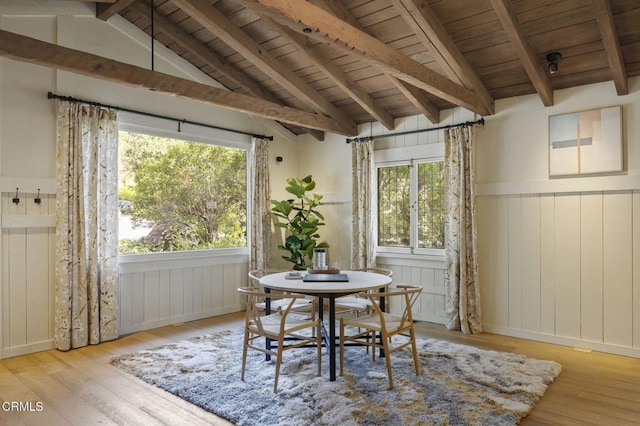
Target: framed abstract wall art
{"points": [[586, 142]]}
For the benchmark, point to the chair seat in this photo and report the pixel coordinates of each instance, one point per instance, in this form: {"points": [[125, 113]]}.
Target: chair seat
{"points": [[298, 305], [353, 302], [373, 322], [272, 323]]}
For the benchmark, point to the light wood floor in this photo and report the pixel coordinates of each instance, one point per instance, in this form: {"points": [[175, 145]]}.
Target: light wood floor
{"points": [[81, 387]]}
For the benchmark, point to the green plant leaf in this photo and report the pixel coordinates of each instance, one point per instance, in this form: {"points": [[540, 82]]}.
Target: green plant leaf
{"points": [[282, 207], [292, 181], [298, 191]]}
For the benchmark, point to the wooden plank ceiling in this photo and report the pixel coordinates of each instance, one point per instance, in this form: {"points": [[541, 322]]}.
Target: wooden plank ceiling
{"points": [[358, 61]]}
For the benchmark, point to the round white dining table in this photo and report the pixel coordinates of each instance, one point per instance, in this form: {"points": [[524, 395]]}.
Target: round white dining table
{"points": [[358, 281]]}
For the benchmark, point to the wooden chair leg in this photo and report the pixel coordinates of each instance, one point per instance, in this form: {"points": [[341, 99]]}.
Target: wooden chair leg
{"points": [[414, 347], [387, 357], [278, 363], [244, 353]]}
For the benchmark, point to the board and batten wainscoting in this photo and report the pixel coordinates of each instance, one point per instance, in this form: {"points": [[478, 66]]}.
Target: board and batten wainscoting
{"points": [[562, 266], [425, 271], [174, 287], [28, 266]]}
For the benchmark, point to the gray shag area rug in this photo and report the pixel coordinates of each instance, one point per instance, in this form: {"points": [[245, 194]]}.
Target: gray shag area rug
{"points": [[458, 385]]}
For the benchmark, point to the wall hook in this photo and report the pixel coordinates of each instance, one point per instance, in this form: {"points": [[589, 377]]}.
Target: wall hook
{"points": [[37, 200], [16, 199]]}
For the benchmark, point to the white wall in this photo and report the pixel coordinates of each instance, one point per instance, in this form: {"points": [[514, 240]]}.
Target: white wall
{"points": [[558, 256], [172, 288]]}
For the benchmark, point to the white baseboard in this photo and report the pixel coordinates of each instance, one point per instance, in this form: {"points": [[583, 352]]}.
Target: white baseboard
{"points": [[564, 341], [429, 318], [27, 349], [133, 328]]}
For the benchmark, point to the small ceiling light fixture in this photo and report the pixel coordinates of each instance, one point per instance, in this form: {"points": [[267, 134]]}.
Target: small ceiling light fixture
{"points": [[553, 59]]}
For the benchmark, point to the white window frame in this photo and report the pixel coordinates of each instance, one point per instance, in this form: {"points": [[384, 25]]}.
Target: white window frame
{"points": [[411, 156], [413, 216], [167, 128]]}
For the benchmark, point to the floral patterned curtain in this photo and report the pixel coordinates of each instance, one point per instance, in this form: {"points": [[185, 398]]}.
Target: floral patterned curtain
{"points": [[260, 205], [86, 289], [461, 264], [363, 170]]}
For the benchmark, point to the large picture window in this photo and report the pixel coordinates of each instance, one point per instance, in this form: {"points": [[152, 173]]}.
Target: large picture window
{"points": [[411, 206], [177, 195]]}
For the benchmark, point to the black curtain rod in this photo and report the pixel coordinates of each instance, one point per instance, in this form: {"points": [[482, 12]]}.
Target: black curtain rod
{"points": [[410, 132], [51, 95]]}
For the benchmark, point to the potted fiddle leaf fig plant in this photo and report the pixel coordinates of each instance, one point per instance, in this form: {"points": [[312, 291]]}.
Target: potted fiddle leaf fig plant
{"points": [[299, 217]]}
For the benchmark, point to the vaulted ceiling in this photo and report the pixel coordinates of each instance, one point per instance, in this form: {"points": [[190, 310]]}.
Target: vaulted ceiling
{"points": [[329, 65]]}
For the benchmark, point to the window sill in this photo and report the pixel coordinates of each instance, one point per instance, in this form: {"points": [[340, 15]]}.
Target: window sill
{"points": [[408, 259], [141, 262]]}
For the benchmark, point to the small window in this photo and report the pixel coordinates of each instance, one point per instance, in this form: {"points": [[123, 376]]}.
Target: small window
{"points": [[411, 212], [177, 195]]}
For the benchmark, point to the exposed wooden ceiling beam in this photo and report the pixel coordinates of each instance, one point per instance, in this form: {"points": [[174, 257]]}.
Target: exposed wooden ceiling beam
{"points": [[425, 24], [176, 34], [416, 96], [27, 49], [335, 74], [105, 11], [320, 24], [337, 8], [523, 50], [208, 16], [604, 17]]}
